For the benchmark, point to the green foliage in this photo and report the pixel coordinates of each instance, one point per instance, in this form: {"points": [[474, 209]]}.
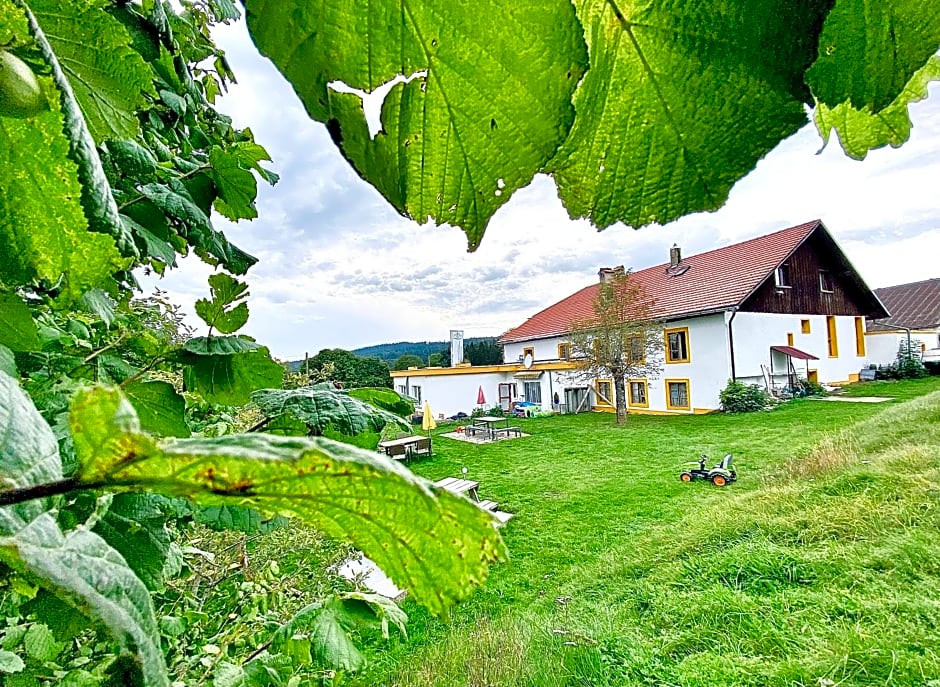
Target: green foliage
{"points": [[458, 139], [227, 369], [403, 362], [322, 406], [307, 478], [738, 397], [675, 106], [17, 329], [386, 399], [221, 312], [350, 370], [861, 130]]}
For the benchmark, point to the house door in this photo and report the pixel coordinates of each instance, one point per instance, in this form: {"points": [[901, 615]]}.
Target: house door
{"points": [[507, 392], [575, 400]]}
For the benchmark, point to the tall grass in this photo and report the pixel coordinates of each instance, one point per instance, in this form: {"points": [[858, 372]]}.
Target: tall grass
{"points": [[823, 569]]}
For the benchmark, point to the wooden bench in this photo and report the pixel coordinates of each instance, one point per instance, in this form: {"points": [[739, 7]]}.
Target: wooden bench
{"points": [[488, 505], [509, 430], [458, 485], [473, 430]]}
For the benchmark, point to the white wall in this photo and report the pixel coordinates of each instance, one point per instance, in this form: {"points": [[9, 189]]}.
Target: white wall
{"points": [[451, 393], [882, 347], [755, 333], [545, 349]]}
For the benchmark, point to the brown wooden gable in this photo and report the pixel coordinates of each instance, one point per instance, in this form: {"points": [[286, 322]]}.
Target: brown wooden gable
{"points": [[804, 295]]}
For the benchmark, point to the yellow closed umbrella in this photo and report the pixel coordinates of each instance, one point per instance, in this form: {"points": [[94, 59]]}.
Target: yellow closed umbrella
{"points": [[427, 422]]}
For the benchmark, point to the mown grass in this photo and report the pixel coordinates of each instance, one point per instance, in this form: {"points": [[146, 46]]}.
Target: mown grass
{"points": [[821, 563]]}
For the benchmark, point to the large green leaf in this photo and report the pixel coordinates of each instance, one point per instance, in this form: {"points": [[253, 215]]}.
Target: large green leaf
{"points": [[429, 541], [135, 526], [29, 453], [17, 329], [386, 399], [860, 130], [108, 76], [680, 102], [457, 141], [83, 570], [870, 49], [230, 379], [321, 408], [160, 409], [237, 186], [43, 232], [78, 567]]}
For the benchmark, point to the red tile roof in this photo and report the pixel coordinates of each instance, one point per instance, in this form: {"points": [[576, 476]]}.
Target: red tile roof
{"points": [[716, 280], [914, 305]]}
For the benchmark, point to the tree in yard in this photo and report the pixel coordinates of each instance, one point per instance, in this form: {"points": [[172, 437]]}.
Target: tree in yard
{"points": [[403, 362], [621, 340], [350, 370]]}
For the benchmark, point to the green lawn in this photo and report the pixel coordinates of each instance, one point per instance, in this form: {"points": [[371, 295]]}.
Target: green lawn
{"points": [[814, 565]]}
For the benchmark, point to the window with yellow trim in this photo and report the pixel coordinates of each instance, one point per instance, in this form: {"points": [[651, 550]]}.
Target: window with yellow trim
{"points": [[528, 350], [564, 351], [860, 336], [636, 350], [804, 326], [604, 388], [677, 345], [831, 338], [638, 396], [677, 394], [789, 338]]}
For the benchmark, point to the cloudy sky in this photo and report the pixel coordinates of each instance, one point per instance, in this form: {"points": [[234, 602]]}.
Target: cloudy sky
{"points": [[340, 268]]}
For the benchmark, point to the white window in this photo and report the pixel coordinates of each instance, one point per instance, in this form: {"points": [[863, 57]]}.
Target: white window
{"points": [[416, 393], [533, 392], [782, 276]]}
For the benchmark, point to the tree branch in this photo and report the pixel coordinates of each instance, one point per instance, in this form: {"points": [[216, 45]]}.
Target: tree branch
{"points": [[40, 491]]}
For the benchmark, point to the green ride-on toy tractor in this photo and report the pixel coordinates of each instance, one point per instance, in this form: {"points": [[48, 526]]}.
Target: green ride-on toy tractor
{"points": [[720, 475]]}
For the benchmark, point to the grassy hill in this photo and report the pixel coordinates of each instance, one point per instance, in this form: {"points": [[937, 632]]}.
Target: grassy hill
{"points": [[391, 351], [818, 567]]}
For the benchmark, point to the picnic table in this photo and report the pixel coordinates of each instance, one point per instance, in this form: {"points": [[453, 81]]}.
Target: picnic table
{"points": [[458, 485], [490, 423], [406, 447]]}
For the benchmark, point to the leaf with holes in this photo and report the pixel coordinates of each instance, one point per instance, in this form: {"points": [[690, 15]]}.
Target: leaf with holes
{"points": [[486, 103]]}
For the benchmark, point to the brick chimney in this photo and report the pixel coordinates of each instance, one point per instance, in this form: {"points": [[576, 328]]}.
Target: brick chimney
{"points": [[605, 274], [675, 255]]}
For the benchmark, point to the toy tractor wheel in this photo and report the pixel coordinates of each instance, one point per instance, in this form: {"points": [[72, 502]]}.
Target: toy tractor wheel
{"points": [[719, 480], [686, 476]]}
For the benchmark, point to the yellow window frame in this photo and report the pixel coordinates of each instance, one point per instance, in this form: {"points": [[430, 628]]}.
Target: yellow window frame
{"points": [[597, 392], [832, 336], [564, 350], [790, 339], [688, 345], [528, 350], [805, 326], [646, 393], [688, 394], [860, 336]]}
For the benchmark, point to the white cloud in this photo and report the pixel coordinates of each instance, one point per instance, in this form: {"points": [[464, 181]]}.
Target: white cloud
{"points": [[340, 268]]}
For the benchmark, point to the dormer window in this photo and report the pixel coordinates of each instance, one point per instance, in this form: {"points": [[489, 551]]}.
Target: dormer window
{"points": [[782, 276], [825, 281]]}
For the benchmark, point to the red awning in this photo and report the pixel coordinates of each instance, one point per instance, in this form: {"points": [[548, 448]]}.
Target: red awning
{"points": [[794, 352]]}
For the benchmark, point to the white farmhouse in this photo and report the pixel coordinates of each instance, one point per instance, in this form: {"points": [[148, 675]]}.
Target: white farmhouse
{"points": [[765, 311]]}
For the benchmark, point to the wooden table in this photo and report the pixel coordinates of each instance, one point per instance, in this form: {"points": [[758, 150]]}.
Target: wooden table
{"points": [[490, 422], [406, 446], [458, 485]]}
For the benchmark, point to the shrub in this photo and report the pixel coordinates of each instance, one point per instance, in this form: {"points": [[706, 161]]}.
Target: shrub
{"points": [[743, 398]]}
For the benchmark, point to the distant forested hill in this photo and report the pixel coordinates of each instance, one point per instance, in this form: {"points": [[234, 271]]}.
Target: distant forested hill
{"points": [[392, 351]]}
